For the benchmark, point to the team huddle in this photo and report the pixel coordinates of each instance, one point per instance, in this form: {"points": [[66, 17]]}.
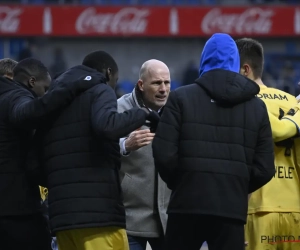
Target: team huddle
{"points": [[215, 161]]}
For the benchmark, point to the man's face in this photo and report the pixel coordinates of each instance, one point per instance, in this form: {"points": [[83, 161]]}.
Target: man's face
{"points": [[155, 87], [41, 86]]}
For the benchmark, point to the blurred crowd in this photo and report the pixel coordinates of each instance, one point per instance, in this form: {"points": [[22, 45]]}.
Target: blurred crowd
{"points": [[280, 70]]}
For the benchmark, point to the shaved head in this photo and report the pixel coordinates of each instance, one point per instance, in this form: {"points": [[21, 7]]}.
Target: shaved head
{"points": [[151, 65], [154, 83]]}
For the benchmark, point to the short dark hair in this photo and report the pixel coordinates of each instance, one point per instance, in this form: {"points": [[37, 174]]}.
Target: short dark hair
{"points": [[252, 53], [6, 67], [100, 60], [30, 67]]}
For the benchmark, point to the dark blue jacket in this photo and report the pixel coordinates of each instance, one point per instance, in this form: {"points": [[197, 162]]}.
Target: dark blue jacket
{"points": [[213, 144], [21, 112], [81, 157]]}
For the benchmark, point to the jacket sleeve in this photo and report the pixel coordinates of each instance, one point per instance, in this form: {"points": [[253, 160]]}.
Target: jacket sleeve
{"points": [[28, 112], [105, 119], [121, 109], [35, 172], [262, 168], [166, 141]]}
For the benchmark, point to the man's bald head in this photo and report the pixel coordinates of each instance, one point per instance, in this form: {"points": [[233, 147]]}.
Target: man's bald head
{"points": [[154, 83], [151, 65]]}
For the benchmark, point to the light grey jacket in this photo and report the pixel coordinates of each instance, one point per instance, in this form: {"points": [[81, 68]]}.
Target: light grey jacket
{"points": [[146, 196]]}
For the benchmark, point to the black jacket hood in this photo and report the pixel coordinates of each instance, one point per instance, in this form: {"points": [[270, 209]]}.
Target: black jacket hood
{"points": [[228, 87], [77, 72]]}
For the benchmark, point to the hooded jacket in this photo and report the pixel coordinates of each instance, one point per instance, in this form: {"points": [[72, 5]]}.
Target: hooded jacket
{"points": [[21, 112], [81, 156], [18, 195], [214, 145]]}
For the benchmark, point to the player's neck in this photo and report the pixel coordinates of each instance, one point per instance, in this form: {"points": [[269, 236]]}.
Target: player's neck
{"points": [[259, 81]]}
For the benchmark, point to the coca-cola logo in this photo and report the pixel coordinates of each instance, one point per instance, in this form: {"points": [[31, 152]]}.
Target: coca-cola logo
{"points": [[297, 21], [251, 21], [125, 21], [9, 19]]}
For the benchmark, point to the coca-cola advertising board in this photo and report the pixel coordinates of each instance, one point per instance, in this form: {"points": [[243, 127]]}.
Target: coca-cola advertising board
{"points": [[106, 21]]}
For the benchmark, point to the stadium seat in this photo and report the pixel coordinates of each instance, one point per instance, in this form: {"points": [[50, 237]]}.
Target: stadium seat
{"points": [[290, 47], [171, 2], [1, 48], [114, 2], [126, 86], [15, 46], [36, 1], [86, 1], [130, 2], [194, 2], [146, 2], [163, 2], [210, 2], [99, 2]]}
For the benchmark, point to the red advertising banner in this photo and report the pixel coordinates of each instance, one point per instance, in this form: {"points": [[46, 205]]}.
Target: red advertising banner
{"points": [[88, 21]]}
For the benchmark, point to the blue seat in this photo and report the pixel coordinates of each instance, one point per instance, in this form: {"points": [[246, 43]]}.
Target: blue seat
{"points": [[163, 2], [146, 2], [290, 47], [171, 2], [86, 1], [194, 2], [126, 86], [36, 1], [99, 2], [1, 49], [15, 46], [179, 2], [114, 2], [130, 2]]}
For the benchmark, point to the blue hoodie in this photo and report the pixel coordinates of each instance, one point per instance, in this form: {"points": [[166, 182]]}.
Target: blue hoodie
{"points": [[220, 52]]}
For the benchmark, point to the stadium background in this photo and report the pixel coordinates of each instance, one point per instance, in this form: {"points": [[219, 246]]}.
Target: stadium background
{"points": [[61, 32]]}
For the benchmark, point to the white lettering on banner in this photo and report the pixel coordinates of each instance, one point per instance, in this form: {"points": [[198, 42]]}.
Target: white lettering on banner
{"points": [[297, 21], [251, 21], [9, 19], [126, 21]]}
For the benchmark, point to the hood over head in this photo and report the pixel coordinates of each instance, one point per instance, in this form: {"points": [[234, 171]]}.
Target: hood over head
{"points": [[76, 73], [219, 72], [220, 52]]}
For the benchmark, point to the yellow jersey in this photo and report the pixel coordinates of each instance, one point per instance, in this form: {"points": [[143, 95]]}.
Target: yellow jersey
{"points": [[282, 193]]}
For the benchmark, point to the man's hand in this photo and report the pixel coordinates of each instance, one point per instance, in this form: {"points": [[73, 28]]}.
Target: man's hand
{"points": [[138, 139], [152, 119]]}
